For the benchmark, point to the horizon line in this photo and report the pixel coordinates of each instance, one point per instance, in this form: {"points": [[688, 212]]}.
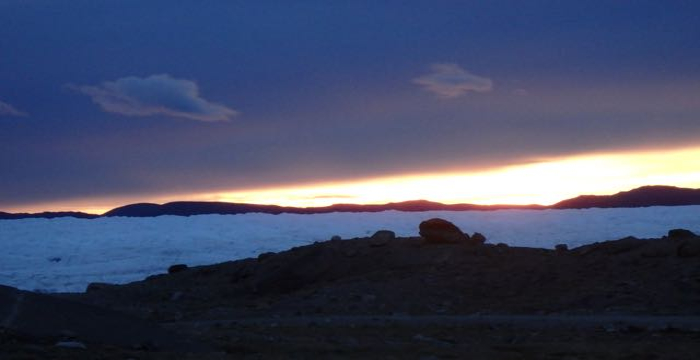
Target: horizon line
{"points": [[498, 206]]}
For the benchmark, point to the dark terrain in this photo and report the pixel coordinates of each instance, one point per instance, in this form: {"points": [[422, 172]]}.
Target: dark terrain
{"points": [[640, 197], [47, 215], [385, 297]]}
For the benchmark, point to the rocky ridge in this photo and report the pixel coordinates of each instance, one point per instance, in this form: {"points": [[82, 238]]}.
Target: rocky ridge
{"points": [[390, 297]]}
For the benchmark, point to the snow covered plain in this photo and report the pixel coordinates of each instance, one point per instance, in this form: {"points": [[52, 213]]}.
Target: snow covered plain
{"points": [[67, 254]]}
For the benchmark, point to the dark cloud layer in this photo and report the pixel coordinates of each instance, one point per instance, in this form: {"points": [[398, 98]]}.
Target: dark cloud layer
{"points": [[329, 91]]}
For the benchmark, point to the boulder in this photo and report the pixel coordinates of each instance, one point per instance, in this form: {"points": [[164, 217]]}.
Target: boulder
{"points": [[561, 248], [440, 231], [381, 238], [177, 268], [680, 234], [478, 238]]}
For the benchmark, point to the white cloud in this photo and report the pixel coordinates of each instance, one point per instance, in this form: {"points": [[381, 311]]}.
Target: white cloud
{"points": [[155, 95], [451, 81], [9, 110], [520, 92]]}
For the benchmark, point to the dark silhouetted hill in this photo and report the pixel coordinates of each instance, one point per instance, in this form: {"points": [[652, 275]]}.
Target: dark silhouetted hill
{"points": [[47, 215], [187, 208], [640, 197]]}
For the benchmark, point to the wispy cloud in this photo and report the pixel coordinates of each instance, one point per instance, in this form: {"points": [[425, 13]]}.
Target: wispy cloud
{"points": [[9, 110], [451, 81], [155, 95]]}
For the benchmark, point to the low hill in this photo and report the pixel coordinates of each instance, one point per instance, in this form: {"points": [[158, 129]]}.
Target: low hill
{"points": [[47, 215], [639, 197], [187, 208]]}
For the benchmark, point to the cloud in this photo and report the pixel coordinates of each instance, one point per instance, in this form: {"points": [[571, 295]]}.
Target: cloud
{"points": [[9, 110], [155, 95], [451, 81], [520, 92], [331, 196]]}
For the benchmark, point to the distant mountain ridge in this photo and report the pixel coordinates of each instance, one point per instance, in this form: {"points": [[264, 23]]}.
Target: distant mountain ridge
{"points": [[657, 195], [47, 215], [640, 197], [186, 208]]}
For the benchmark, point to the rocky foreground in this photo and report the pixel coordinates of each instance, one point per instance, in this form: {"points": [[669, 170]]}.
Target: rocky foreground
{"points": [[444, 294]]}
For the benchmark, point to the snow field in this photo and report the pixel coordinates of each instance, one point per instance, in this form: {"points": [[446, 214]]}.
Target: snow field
{"points": [[67, 254]]}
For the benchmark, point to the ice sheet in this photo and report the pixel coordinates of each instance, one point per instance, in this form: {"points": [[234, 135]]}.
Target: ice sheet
{"points": [[66, 254]]}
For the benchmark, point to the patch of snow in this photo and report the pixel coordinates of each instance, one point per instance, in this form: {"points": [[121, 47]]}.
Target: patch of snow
{"points": [[120, 250]]}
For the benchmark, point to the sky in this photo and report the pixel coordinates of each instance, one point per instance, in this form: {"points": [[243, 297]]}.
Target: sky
{"points": [[104, 102]]}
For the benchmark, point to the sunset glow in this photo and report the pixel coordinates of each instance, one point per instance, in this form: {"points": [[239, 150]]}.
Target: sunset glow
{"points": [[544, 182], [364, 102]]}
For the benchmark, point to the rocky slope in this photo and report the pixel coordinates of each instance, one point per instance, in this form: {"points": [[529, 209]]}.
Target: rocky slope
{"points": [[386, 297]]}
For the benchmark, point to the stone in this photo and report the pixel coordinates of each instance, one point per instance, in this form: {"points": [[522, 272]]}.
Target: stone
{"points": [[561, 248], [177, 268], [501, 248], [680, 234], [381, 238], [478, 238], [440, 231], [336, 238]]}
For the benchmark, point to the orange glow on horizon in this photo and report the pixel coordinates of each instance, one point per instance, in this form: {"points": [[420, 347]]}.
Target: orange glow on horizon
{"points": [[544, 182]]}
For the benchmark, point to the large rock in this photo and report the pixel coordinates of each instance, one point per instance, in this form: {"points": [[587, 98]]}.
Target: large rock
{"points": [[478, 238], [441, 231], [177, 268], [688, 242], [680, 234], [381, 238], [561, 248]]}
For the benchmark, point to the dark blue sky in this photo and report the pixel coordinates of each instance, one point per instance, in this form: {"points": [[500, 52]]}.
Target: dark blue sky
{"points": [[110, 98]]}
